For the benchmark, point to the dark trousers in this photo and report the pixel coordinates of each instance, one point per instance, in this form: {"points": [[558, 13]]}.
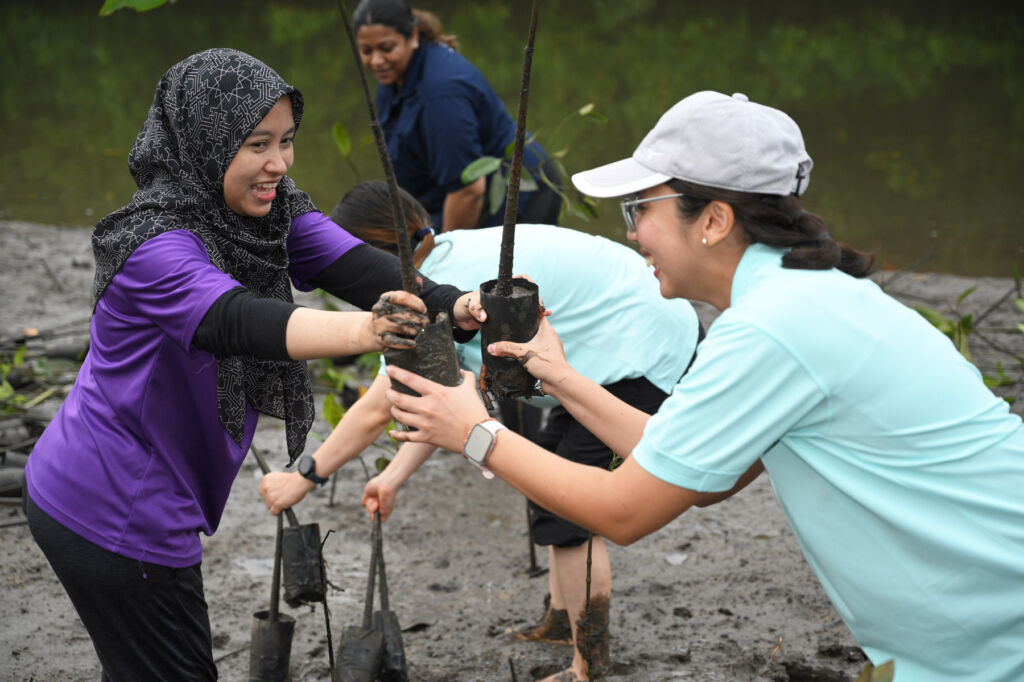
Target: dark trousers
{"points": [[566, 437], [147, 622]]}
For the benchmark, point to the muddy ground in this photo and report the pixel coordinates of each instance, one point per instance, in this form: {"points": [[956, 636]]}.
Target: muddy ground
{"points": [[719, 594]]}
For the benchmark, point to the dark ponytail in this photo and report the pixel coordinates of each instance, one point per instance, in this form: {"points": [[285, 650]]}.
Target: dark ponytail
{"points": [[365, 211], [778, 221], [397, 15]]}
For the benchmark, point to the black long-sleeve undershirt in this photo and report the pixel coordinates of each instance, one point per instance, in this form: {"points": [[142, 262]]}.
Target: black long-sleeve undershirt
{"points": [[241, 323]]}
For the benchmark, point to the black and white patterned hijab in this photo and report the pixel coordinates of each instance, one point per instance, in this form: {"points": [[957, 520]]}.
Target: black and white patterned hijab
{"points": [[204, 108]]}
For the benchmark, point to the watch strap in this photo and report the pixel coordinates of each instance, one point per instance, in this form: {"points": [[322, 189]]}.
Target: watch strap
{"points": [[308, 470]]}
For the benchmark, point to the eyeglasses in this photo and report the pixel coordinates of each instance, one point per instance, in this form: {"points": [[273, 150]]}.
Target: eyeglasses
{"points": [[630, 209]]}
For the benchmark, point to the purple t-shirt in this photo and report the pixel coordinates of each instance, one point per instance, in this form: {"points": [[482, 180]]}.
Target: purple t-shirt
{"points": [[136, 460]]}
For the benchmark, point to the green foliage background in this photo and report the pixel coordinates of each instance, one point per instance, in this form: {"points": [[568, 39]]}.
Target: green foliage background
{"points": [[913, 111]]}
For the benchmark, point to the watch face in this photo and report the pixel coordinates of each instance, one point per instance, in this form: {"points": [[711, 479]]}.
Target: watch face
{"points": [[305, 466], [478, 444]]}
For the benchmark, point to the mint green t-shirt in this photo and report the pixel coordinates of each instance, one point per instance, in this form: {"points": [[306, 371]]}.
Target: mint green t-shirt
{"points": [[901, 474], [606, 305]]}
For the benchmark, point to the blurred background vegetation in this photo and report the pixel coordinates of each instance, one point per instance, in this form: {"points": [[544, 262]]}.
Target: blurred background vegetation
{"points": [[913, 111]]}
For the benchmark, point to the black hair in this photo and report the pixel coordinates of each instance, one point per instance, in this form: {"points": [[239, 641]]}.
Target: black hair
{"points": [[365, 211], [398, 15], [393, 13], [778, 221]]}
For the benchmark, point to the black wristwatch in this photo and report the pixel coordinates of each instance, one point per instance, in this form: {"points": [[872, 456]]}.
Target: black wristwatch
{"points": [[307, 469]]}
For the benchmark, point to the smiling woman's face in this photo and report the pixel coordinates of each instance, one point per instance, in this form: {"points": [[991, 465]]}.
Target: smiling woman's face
{"points": [[667, 242], [386, 52], [250, 182]]}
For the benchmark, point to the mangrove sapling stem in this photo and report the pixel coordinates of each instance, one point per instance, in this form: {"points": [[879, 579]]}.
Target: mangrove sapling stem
{"points": [[588, 654], [503, 287], [409, 281]]}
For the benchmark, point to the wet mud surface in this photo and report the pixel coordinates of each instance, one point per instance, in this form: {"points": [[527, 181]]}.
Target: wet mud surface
{"points": [[719, 595]]}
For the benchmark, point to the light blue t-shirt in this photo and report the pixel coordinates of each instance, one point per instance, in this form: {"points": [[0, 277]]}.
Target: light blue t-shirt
{"points": [[901, 474], [605, 302]]}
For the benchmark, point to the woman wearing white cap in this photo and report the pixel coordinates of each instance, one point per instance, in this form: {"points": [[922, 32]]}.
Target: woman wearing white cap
{"points": [[899, 471]]}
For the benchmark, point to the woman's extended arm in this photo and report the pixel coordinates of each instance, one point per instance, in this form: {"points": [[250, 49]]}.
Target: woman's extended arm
{"points": [[323, 333], [617, 424], [362, 273], [381, 490], [241, 323], [357, 430], [463, 206], [622, 505]]}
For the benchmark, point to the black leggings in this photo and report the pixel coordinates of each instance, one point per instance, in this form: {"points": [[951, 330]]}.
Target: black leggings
{"points": [[146, 621]]}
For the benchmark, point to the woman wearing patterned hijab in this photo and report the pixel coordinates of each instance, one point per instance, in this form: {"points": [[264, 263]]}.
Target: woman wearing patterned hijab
{"points": [[193, 334]]}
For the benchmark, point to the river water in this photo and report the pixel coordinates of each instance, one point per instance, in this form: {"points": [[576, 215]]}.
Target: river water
{"points": [[912, 111]]}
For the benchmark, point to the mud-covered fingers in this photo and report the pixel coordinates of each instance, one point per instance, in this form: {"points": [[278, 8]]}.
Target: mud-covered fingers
{"points": [[392, 340], [400, 299], [397, 327]]}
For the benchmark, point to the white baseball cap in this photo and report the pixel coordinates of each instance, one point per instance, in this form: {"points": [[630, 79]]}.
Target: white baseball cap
{"points": [[715, 140]]}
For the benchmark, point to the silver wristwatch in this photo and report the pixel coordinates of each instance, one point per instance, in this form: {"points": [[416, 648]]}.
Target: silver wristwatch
{"points": [[480, 442]]}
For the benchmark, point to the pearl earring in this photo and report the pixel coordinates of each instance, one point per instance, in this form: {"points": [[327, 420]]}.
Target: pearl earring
{"points": [[704, 241]]}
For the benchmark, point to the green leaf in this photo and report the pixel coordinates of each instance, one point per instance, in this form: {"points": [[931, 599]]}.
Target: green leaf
{"points": [[938, 320], [527, 183], [6, 390], [596, 117], [381, 463], [341, 139], [1020, 303], [19, 356], [369, 362], [111, 6], [496, 194], [884, 672], [333, 410], [1000, 379], [482, 167], [965, 295], [1020, 327]]}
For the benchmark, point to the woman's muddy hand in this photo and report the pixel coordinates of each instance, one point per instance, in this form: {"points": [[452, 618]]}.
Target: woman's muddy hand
{"points": [[398, 317], [442, 415], [542, 356]]}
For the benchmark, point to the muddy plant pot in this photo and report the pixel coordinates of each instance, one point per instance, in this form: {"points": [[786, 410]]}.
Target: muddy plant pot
{"points": [[270, 650], [433, 357], [303, 577], [509, 318]]}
